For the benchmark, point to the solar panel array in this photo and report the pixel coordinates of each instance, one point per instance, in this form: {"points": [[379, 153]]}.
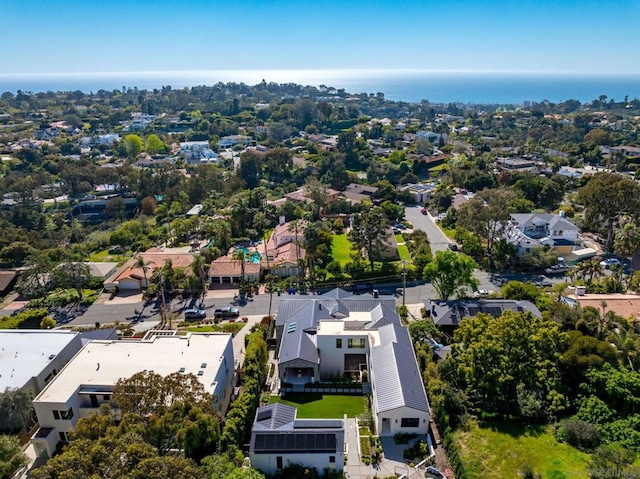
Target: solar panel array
{"points": [[306, 442], [318, 423]]}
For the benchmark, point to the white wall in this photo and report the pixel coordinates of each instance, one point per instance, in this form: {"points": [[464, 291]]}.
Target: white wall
{"points": [[394, 418], [267, 462], [332, 358]]}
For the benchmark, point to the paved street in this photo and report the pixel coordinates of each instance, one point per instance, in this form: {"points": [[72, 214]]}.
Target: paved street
{"points": [[426, 223]]}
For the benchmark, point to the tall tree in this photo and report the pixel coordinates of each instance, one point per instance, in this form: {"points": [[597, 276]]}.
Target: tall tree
{"points": [[154, 145], [16, 410], [627, 242], [449, 272], [486, 215], [369, 231], [132, 145], [607, 199], [496, 355], [11, 456]]}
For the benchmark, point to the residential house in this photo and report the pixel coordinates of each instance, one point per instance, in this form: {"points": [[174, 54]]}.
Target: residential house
{"points": [[92, 211], [30, 359], [516, 164], [624, 305], [420, 193], [556, 231], [337, 333], [88, 379], [355, 192], [196, 152], [232, 140], [225, 269], [284, 250], [131, 277], [278, 439], [448, 314]]}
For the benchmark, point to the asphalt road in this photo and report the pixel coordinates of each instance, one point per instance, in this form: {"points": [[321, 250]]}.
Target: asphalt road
{"points": [[437, 239]]}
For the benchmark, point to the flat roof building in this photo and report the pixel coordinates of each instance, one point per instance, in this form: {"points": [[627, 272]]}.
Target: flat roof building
{"points": [[31, 358], [87, 381]]}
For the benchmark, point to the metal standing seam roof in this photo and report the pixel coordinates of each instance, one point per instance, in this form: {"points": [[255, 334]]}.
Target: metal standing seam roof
{"points": [[274, 416], [298, 343], [395, 373]]}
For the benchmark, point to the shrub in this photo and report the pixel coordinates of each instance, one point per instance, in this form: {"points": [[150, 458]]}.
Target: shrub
{"points": [[578, 433]]}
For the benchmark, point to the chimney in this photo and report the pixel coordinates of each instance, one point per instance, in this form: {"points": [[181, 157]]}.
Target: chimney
{"points": [[281, 220]]}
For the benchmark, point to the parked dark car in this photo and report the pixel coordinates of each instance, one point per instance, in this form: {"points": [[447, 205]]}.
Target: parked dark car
{"points": [[453, 247], [433, 473], [227, 312], [195, 313]]}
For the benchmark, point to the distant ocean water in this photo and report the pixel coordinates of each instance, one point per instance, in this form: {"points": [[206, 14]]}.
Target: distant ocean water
{"points": [[404, 85]]}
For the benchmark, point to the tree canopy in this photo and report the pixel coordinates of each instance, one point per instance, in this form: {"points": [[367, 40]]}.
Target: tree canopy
{"points": [[449, 272]]}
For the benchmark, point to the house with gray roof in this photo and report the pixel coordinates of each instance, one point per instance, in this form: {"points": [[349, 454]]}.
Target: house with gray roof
{"points": [[279, 439], [324, 337], [528, 230], [448, 314]]}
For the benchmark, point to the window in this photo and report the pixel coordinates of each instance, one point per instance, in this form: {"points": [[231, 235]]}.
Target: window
{"points": [[410, 422], [356, 343], [63, 436], [332, 459], [106, 397], [56, 414], [278, 462], [339, 343], [66, 414]]}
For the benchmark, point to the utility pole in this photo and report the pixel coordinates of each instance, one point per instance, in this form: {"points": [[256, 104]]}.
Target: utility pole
{"points": [[404, 280], [162, 303]]}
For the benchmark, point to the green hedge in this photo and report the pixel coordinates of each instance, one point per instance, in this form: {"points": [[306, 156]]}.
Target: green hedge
{"points": [[453, 453], [33, 316]]}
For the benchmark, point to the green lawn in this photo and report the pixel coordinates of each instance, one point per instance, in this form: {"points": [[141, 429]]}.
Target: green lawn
{"points": [[341, 249], [403, 251], [312, 405], [496, 451]]}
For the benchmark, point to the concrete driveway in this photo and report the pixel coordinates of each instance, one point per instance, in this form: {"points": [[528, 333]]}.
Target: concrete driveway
{"points": [[437, 239]]}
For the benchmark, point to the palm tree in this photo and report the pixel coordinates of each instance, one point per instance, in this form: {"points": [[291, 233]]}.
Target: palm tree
{"points": [[241, 256], [199, 267], [141, 263]]}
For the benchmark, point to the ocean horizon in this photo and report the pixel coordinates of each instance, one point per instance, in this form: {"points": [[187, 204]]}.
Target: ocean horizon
{"points": [[399, 85]]}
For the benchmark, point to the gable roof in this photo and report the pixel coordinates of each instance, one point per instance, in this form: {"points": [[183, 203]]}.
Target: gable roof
{"points": [[450, 313], [395, 372], [551, 221]]}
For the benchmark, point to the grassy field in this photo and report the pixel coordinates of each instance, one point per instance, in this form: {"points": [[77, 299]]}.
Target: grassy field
{"points": [[403, 251], [341, 249], [496, 451], [312, 405]]}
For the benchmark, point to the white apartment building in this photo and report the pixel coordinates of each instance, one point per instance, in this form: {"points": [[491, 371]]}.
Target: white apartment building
{"points": [[87, 381]]}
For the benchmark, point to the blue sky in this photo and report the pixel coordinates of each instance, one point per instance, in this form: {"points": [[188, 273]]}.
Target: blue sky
{"points": [[68, 36]]}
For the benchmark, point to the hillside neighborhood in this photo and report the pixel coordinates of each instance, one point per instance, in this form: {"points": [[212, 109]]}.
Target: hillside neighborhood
{"points": [[293, 281]]}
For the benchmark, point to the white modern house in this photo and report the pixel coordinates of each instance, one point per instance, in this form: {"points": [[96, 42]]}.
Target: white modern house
{"points": [[30, 359], [87, 381], [195, 152], [279, 439], [338, 333], [232, 140]]}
